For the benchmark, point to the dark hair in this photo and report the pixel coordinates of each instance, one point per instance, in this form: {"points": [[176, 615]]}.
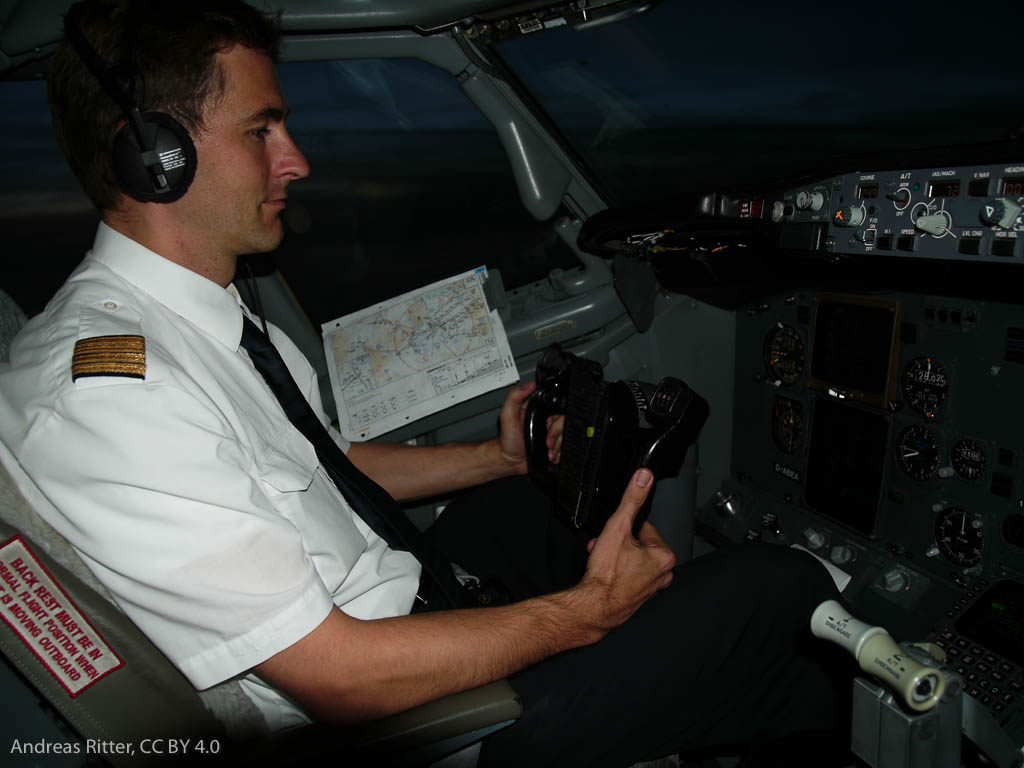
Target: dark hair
{"points": [[170, 49]]}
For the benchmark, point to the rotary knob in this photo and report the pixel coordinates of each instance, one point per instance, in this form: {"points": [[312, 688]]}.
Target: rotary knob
{"points": [[841, 554], [1000, 211], [813, 201], [815, 539], [849, 216], [894, 580]]}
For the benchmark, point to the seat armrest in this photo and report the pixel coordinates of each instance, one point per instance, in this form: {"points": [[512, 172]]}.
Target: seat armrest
{"points": [[415, 737], [456, 714]]}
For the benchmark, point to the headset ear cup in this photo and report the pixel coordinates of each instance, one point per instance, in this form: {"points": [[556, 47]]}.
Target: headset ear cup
{"points": [[175, 150]]}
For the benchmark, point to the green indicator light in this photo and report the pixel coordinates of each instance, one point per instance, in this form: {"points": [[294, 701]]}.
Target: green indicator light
{"points": [[917, 186], [999, 606]]}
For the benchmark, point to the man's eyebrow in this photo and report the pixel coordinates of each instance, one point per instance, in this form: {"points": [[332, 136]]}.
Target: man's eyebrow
{"points": [[273, 114]]}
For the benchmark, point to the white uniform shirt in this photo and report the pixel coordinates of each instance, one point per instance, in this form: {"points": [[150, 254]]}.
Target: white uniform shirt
{"points": [[188, 492]]}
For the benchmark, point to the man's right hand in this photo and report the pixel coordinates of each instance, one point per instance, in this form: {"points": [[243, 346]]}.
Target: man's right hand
{"points": [[623, 571]]}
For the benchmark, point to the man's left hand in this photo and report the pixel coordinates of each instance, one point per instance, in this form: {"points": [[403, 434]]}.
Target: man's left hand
{"points": [[511, 442]]}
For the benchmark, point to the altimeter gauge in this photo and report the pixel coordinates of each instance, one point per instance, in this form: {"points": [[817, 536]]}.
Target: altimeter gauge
{"points": [[925, 385]]}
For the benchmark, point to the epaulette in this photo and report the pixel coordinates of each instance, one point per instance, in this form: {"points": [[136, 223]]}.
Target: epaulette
{"points": [[109, 356]]}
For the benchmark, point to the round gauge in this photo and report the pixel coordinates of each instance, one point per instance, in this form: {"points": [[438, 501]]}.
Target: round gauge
{"points": [[917, 451], [959, 536], [787, 424], [969, 459], [784, 354], [925, 385]]}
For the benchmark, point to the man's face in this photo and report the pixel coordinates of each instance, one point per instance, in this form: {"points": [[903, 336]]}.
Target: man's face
{"points": [[246, 160]]}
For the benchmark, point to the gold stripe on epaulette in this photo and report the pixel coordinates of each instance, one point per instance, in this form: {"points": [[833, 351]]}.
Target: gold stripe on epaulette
{"points": [[109, 356]]}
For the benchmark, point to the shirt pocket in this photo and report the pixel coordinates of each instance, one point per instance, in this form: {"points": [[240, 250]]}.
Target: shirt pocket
{"points": [[302, 493]]}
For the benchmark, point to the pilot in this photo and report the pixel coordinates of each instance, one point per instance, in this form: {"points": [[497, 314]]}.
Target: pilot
{"points": [[137, 403]]}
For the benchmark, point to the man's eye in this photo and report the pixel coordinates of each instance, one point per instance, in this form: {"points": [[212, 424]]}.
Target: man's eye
{"points": [[260, 133]]}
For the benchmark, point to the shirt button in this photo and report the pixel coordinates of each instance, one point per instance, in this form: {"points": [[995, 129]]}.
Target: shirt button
{"points": [[109, 306]]}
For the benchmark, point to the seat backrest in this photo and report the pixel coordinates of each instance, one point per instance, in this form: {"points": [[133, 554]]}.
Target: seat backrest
{"points": [[11, 321], [140, 692], [80, 653]]}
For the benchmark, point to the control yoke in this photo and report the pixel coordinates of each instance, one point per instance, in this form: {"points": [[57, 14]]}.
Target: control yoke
{"points": [[915, 717]]}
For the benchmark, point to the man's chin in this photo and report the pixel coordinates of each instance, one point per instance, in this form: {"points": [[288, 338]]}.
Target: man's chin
{"points": [[269, 239]]}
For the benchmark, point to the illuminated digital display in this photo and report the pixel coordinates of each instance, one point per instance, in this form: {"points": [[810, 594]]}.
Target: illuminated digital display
{"points": [[945, 188], [867, 191], [1012, 185], [996, 620]]}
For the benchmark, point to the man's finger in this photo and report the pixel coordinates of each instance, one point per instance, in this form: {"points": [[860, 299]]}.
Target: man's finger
{"points": [[521, 392], [649, 535], [633, 498]]}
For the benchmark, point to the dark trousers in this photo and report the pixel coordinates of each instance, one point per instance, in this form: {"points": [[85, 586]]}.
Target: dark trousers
{"points": [[721, 661]]}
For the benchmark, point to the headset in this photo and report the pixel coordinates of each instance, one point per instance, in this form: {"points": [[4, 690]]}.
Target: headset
{"points": [[154, 157]]}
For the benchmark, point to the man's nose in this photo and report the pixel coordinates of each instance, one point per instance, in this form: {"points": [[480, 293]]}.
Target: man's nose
{"points": [[292, 163]]}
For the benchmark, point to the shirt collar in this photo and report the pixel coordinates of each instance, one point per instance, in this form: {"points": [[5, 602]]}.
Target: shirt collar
{"points": [[197, 299]]}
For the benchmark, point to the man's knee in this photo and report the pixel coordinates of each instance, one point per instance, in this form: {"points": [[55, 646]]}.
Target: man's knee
{"points": [[751, 578]]}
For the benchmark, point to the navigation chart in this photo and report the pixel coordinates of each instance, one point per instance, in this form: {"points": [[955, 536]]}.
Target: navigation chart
{"points": [[416, 354]]}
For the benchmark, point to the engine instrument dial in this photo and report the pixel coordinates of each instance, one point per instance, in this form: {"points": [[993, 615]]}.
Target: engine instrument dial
{"points": [[959, 536], [787, 424], [925, 385], [784, 354], [917, 452], [969, 459]]}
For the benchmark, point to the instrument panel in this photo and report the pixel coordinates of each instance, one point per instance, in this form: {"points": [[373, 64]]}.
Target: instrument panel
{"points": [[884, 432], [971, 213], [885, 412], [957, 212]]}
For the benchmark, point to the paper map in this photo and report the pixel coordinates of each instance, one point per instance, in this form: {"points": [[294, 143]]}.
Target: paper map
{"points": [[416, 354]]}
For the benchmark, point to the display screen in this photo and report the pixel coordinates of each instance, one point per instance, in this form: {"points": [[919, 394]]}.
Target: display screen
{"points": [[996, 620], [852, 346], [945, 188], [845, 463], [1012, 185], [867, 191]]}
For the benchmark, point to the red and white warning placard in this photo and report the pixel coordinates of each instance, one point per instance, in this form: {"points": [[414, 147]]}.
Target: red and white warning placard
{"points": [[36, 607]]}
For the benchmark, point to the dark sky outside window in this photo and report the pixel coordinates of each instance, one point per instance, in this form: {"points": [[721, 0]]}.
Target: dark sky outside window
{"points": [[410, 184]]}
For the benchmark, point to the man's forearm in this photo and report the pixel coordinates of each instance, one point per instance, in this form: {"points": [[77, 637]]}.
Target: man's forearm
{"points": [[349, 670], [411, 472]]}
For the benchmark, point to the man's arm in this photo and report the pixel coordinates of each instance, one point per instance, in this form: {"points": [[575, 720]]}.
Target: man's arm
{"points": [[411, 472], [348, 670]]}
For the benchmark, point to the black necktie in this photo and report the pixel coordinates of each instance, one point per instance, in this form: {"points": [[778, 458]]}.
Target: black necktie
{"points": [[371, 502]]}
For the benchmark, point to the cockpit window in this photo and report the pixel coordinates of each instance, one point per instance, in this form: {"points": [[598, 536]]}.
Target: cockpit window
{"points": [[47, 221], [704, 95], [409, 184]]}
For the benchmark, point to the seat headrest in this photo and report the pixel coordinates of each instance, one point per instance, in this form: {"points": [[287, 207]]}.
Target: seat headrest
{"points": [[12, 319]]}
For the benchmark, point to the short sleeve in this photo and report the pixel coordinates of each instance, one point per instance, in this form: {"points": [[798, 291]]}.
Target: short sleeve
{"points": [[165, 505]]}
